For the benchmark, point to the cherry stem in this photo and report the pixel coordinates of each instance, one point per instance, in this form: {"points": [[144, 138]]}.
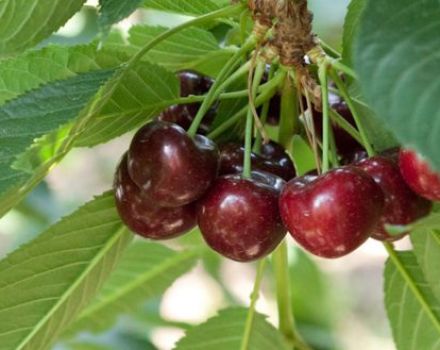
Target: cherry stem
{"points": [[218, 83], [264, 114], [284, 300], [345, 125], [325, 117], [346, 96], [267, 92], [289, 114], [254, 298], [253, 89]]}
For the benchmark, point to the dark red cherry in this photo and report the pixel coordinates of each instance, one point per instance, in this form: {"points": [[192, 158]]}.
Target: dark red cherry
{"points": [[239, 217], [183, 115], [354, 157], [333, 214], [419, 175], [140, 214], [170, 167], [402, 205], [193, 83], [272, 159]]}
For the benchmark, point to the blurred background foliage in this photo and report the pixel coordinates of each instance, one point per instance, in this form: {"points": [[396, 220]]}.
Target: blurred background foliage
{"points": [[338, 304]]}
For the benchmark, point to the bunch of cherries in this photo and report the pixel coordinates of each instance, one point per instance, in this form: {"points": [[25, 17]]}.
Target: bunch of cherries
{"points": [[168, 182]]}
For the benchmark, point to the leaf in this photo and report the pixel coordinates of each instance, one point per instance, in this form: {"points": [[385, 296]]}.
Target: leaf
{"points": [[39, 112], [351, 26], [33, 69], [146, 271], [225, 331], [396, 57], [24, 23], [185, 7], [426, 243], [113, 11], [142, 93], [46, 283], [412, 309], [192, 48]]}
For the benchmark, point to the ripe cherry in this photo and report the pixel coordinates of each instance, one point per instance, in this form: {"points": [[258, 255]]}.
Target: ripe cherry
{"points": [[239, 217], [419, 175], [170, 167], [333, 214], [139, 213], [193, 83], [272, 159], [402, 205]]}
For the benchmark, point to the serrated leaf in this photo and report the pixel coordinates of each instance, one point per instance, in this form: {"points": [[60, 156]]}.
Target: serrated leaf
{"points": [[24, 23], [351, 25], [225, 331], [36, 68], [396, 57], [146, 271], [185, 7], [142, 93], [46, 283], [426, 243], [113, 11], [37, 113], [413, 311]]}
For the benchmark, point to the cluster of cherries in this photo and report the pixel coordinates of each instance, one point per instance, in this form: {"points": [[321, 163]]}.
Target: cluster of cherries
{"points": [[168, 182]]}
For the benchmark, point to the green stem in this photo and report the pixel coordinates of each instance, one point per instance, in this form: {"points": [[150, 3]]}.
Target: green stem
{"points": [[345, 125], [346, 96], [329, 50], [215, 89], [338, 65], [325, 118], [267, 92], [284, 300], [289, 114], [224, 12], [258, 75], [254, 299]]}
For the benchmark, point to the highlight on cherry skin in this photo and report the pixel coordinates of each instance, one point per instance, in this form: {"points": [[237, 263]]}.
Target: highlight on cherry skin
{"points": [[419, 174]]}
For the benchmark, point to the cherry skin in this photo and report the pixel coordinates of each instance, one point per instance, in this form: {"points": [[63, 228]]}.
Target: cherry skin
{"points": [[140, 215], [419, 175], [402, 205], [272, 159], [333, 214], [193, 83], [170, 167], [239, 218]]}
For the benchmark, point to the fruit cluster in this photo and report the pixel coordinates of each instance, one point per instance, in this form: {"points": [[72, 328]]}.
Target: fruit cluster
{"points": [[168, 182]]}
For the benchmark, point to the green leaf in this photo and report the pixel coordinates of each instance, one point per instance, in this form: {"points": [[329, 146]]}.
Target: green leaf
{"points": [[113, 11], [426, 243], [185, 7], [396, 57], [192, 48], [413, 311], [142, 93], [40, 112], [351, 26], [46, 283], [33, 69], [225, 331], [24, 23], [146, 271]]}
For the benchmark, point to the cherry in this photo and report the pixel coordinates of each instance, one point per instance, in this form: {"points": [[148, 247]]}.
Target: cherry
{"points": [[170, 167], [419, 175], [272, 159], [139, 213], [402, 206], [239, 218], [333, 214], [191, 83]]}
